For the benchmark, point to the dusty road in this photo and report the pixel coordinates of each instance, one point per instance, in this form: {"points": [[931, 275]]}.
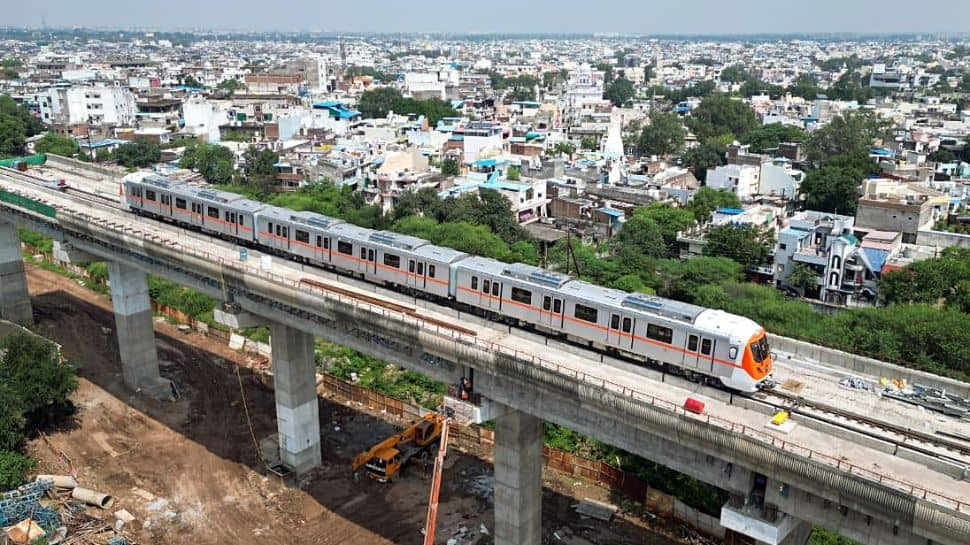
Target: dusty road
{"points": [[188, 470]]}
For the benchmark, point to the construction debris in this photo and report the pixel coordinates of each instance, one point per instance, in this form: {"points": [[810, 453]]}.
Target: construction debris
{"points": [[26, 531], [929, 398], [857, 383], [596, 509]]}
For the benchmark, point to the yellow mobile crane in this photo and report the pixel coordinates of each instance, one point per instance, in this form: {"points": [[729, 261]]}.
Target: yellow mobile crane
{"points": [[385, 459]]}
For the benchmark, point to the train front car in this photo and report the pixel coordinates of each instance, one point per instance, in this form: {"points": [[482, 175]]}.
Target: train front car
{"points": [[748, 352]]}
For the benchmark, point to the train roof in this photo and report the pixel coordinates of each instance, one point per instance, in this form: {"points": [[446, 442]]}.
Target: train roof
{"points": [[219, 197], [395, 240], [439, 253], [350, 231], [516, 271], [311, 219], [639, 302], [149, 178]]}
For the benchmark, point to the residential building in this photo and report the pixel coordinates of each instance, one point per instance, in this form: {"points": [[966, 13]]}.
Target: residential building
{"points": [[888, 205], [94, 105], [742, 180]]}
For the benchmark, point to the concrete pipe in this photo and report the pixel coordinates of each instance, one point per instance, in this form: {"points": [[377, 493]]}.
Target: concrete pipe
{"points": [[92, 497], [60, 481]]}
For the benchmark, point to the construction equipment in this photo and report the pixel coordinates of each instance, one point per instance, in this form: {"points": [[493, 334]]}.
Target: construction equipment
{"points": [[385, 459], [439, 462]]}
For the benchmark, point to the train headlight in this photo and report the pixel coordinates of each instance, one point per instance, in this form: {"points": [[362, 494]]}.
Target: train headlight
{"points": [[733, 352]]}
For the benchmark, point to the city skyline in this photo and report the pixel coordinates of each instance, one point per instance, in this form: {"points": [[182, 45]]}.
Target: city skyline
{"points": [[502, 17]]}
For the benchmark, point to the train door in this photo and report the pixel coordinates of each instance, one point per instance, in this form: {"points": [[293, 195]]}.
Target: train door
{"points": [[412, 275], [420, 275], [620, 331], [233, 223], [371, 261], [700, 352], [319, 253], [166, 208], [495, 301], [552, 311]]}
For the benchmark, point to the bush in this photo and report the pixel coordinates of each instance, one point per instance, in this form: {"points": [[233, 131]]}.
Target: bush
{"points": [[13, 469]]}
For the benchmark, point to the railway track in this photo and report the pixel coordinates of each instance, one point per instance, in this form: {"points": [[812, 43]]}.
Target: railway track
{"points": [[871, 427]]}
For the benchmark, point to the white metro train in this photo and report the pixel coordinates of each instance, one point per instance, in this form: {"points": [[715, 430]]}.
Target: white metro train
{"points": [[700, 343]]}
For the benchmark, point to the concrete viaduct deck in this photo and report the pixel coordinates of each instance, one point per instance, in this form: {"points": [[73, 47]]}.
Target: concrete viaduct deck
{"points": [[780, 485]]}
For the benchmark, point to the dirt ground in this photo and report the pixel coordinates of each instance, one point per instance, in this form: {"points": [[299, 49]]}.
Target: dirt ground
{"points": [[189, 472]]}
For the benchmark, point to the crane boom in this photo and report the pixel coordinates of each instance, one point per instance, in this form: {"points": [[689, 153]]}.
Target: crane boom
{"points": [[432, 518]]}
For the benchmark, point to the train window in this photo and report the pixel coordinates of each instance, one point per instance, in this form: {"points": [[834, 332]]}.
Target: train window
{"points": [[627, 325], [270, 227], [301, 236], [585, 313], [166, 199], [486, 286], [277, 230], [521, 295], [495, 289], [370, 255], [431, 271], [179, 203], [660, 333], [226, 215], [286, 232], [420, 269], [326, 243], [319, 241], [411, 266], [557, 306], [692, 343], [242, 219], [706, 347], [213, 212], [345, 248], [546, 302], [363, 252], [615, 321], [149, 194], [392, 260], [474, 282]]}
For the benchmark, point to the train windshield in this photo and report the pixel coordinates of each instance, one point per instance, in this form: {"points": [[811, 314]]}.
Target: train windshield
{"points": [[759, 349]]}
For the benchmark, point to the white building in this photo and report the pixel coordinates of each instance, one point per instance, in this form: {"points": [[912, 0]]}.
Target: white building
{"points": [[479, 136], [97, 105], [779, 179], [584, 87], [742, 180]]}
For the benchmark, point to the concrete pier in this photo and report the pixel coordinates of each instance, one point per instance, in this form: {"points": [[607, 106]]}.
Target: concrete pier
{"points": [[136, 332], [14, 299], [518, 479], [297, 408]]}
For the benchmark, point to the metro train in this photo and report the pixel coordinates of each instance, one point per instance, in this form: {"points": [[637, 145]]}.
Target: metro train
{"points": [[700, 343]]}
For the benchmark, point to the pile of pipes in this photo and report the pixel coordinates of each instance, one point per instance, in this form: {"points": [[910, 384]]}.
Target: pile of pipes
{"points": [[54, 509]]}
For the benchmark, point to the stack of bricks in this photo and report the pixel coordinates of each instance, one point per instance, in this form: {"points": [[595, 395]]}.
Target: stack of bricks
{"points": [[24, 502]]}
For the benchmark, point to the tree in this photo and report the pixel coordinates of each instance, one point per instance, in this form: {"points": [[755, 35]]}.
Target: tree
{"points": [[648, 72], [231, 85], [802, 278], [734, 73], [619, 92], [12, 422], [588, 143], [703, 157], [942, 155], [56, 144], [745, 244], [31, 366], [138, 154], [565, 148], [664, 135], [13, 469], [190, 81], [719, 115], [768, 137], [421, 202], [16, 124], [851, 132], [805, 86], [513, 174], [832, 189], [944, 278], [640, 236], [849, 87], [260, 165], [669, 219], [450, 167], [378, 102], [212, 161], [706, 200]]}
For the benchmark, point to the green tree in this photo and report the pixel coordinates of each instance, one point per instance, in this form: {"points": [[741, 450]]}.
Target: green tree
{"points": [[707, 155], [745, 244], [32, 368], [832, 189], [768, 137], [849, 86], [588, 143], [231, 85], [422, 202], [719, 115], [260, 167], [640, 236], [450, 167], [619, 92], [851, 132], [564, 148], [706, 200], [805, 86], [669, 220], [734, 73], [16, 124], [138, 154], [943, 278], [12, 422], [214, 162], [56, 144], [378, 102], [513, 174], [803, 278], [942, 155], [13, 469], [664, 135], [648, 72]]}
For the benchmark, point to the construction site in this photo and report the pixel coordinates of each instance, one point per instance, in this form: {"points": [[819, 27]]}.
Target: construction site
{"points": [[193, 470]]}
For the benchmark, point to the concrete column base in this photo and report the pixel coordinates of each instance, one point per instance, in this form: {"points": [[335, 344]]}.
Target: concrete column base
{"points": [[14, 299], [297, 407], [518, 479], [136, 331]]}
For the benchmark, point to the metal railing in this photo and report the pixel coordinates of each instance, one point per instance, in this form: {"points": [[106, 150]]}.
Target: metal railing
{"points": [[563, 370]]}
